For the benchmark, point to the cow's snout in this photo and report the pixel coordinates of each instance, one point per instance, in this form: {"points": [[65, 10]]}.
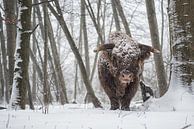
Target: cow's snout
{"points": [[126, 77]]}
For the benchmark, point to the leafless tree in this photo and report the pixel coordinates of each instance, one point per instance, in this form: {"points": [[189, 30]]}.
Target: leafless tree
{"points": [[181, 23], [4, 79], [18, 96], [10, 20], [159, 64], [59, 16]]}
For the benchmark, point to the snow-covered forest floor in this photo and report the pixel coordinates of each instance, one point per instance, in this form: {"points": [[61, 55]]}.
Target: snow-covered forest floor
{"points": [[76, 116]]}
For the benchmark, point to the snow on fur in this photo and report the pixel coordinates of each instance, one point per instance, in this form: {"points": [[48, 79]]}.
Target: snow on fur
{"points": [[126, 49], [125, 46]]}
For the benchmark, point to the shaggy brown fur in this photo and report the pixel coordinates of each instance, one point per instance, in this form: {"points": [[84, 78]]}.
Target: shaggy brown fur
{"points": [[120, 66], [120, 94]]}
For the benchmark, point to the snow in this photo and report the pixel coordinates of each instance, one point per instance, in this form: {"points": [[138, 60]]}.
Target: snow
{"points": [[178, 97], [83, 116]]}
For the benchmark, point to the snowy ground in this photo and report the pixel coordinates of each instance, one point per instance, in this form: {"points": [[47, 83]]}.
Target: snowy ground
{"points": [[85, 117]]}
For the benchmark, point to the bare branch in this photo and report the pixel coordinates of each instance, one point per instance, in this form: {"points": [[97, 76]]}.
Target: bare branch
{"points": [[43, 2]]}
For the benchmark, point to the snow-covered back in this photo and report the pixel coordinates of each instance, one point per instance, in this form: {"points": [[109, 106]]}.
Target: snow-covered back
{"points": [[125, 47]]}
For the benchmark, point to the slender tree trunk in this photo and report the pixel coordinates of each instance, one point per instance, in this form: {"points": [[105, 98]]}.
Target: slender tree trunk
{"points": [[29, 94], [34, 74], [18, 96], [1, 80], [56, 80], [4, 60], [162, 27], [76, 64], [122, 16], [61, 21], [59, 72], [93, 18], [115, 15], [40, 19], [45, 84], [85, 35], [35, 62], [75, 83], [98, 40], [159, 64], [10, 21]]}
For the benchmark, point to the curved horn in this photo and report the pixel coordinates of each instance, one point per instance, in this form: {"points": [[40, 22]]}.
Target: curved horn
{"points": [[104, 47], [148, 48]]}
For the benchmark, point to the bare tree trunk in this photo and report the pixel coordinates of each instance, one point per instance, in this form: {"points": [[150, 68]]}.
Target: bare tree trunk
{"points": [[76, 64], [159, 64], [38, 69], [59, 16], [3, 62], [115, 15], [45, 84], [34, 78], [59, 72], [85, 35], [122, 16], [1, 80], [162, 27], [98, 41], [40, 19], [181, 23], [93, 18], [18, 96], [75, 83], [56, 80], [10, 20], [29, 94]]}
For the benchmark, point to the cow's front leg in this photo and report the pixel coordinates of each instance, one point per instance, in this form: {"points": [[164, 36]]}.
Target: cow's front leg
{"points": [[114, 103], [125, 102]]}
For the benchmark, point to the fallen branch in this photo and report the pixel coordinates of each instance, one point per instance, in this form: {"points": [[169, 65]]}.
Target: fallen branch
{"points": [[187, 126]]}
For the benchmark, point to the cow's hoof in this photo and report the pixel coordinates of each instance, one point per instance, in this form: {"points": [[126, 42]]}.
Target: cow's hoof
{"points": [[125, 108], [114, 108]]}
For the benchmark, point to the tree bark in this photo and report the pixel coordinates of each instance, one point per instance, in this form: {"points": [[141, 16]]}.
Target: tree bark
{"points": [[3, 62], [34, 74], [182, 40], [18, 96], [1, 80], [29, 94], [85, 36], [160, 71], [115, 15], [10, 21], [122, 16], [45, 83]]}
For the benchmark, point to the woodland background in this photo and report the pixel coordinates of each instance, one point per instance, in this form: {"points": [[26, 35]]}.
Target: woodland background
{"points": [[51, 44]]}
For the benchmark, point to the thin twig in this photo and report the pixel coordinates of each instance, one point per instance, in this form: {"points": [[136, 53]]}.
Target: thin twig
{"points": [[34, 28], [43, 2], [186, 126]]}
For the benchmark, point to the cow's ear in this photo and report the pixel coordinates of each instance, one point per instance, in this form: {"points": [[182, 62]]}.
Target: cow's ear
{"points": [[104, 47], [147, 48]]}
